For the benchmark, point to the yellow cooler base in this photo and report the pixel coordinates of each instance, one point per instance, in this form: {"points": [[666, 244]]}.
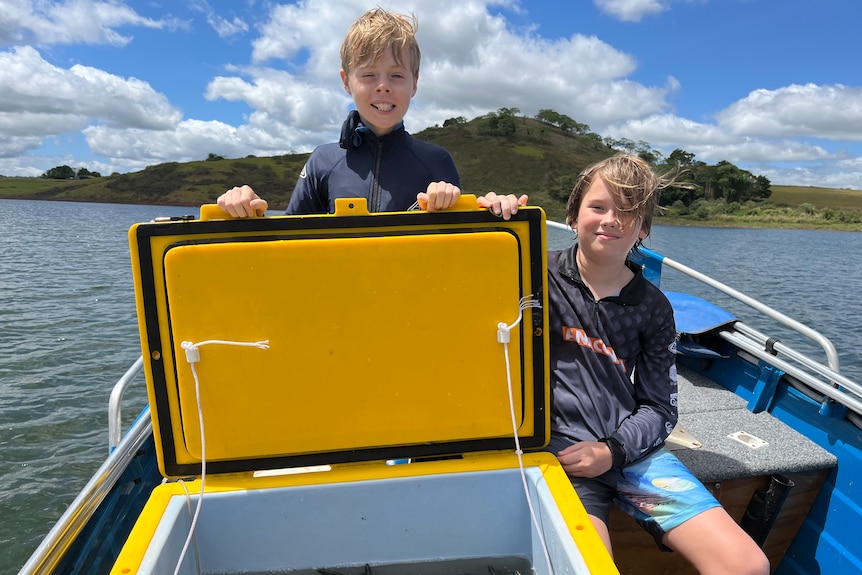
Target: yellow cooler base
{"points": [[421, 517]]}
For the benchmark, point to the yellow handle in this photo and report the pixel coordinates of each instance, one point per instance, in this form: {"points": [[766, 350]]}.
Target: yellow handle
{"points": [[464, 203], [347, 207], [213, 212]]}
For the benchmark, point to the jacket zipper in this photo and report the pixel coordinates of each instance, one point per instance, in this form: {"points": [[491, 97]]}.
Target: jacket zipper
{"points": [[375, 184]]}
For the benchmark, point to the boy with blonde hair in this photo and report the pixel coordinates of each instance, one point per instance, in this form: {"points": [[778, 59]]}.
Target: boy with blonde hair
{"points": [[375, 157]]}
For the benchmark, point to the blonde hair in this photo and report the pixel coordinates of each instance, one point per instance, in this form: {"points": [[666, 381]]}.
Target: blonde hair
{"points": [[632, 182], [375, 32]]}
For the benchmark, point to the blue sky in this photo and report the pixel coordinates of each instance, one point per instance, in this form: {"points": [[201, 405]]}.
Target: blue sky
{"points": [[774, 86]]}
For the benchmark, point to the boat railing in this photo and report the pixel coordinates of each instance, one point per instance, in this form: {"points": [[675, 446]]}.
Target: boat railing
{"points": [[824, 379], [115, 403], [755, 343], [46, 557], [817, 337]]}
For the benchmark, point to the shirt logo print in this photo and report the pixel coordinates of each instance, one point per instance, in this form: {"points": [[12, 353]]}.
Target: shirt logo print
{"points": [[596, 344]]}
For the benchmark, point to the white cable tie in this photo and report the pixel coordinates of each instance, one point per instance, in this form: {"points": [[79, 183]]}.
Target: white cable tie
{"points": [[193, 354], [504, 334]]}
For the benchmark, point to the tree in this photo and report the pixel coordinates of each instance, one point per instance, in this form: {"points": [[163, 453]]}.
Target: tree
{"points": [[506, 124], [502, 122], [508, 112], [562, 121], [549, 117], [733, 184], [762, 188], [85, 173], [59, 173], [680, 158]]}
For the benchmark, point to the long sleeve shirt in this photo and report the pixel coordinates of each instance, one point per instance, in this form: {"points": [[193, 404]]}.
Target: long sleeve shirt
{"points": [[613, 369]]}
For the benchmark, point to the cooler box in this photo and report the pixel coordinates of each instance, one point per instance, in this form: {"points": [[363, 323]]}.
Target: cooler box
{"points": [[341, 394]]}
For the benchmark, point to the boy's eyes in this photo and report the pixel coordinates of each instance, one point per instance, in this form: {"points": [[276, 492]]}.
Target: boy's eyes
{"points": [[399, 75]]}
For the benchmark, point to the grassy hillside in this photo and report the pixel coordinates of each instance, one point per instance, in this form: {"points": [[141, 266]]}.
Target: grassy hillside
{"points": [[190, 183], [818, 197], [534, 158]]}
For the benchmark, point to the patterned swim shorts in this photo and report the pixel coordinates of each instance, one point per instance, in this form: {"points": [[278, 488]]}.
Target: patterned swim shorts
{"points": [[659, 492]]}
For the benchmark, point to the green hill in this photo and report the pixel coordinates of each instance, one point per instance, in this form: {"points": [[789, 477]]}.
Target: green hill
{"points": [[525, 156]]}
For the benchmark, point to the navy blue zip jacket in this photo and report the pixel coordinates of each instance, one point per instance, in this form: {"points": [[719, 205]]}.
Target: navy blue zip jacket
{"points": [[595, 348], [387, 171]]}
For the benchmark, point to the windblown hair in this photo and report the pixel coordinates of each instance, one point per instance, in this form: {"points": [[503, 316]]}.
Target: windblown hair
{"points": [[633, 183], [375, 32]]}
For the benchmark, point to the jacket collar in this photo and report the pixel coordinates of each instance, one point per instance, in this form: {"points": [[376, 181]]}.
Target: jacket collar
{"points": [[353, 131], [632, 293]]}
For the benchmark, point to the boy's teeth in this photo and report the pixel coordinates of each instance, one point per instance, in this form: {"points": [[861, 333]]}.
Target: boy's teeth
{"points": [[383, 107]]}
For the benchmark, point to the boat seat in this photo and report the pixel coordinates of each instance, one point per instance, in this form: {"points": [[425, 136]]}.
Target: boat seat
{"points": [[711, 413]]}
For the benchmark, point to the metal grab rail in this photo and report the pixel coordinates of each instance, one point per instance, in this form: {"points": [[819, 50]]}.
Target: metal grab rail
{"points": [[817, 337], [820, 339], [115, 424], [852, 402], [46, 557]]}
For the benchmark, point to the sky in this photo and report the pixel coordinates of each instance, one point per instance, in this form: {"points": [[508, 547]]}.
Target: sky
{"points": [[773, 86]]}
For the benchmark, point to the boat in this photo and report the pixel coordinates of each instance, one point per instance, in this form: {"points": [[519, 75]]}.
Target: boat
{"points": [[287, 436]]}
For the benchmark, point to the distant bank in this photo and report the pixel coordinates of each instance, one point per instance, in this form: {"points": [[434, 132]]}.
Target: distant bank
{"points": [[201, 182]]}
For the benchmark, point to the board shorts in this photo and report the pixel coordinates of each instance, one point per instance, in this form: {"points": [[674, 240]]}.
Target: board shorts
{"points": [[658, 491]]}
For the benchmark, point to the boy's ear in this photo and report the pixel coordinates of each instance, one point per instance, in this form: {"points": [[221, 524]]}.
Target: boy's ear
{"points": [[346, 81], [415, 84]]}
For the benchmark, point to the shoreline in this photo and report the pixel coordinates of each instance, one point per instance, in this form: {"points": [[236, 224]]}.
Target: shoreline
{"points": [[724, 222]]}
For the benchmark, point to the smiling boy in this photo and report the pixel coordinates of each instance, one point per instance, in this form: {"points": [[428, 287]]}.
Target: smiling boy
{"points": [[613, 375], [375, 157]]}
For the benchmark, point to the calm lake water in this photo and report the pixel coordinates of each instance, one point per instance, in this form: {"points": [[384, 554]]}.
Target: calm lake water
{"points": [[68, 331]]}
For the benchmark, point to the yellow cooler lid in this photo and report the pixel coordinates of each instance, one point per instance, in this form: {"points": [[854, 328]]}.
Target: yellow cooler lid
{"points": [[305, 340]]}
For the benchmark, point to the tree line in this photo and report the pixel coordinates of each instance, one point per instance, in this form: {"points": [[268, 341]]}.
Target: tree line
{"points": [[69, 173], [697, 180]]}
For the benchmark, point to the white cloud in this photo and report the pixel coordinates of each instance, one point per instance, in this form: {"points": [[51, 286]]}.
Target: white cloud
{"points": [[72, 21], [285, 98], [831, 112], [47, 99], [314, 28], [41, 100], [714, 142], [632, 10], [225, 27]]}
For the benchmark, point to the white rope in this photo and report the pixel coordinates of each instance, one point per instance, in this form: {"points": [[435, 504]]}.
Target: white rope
{"points": [[191, 514], [503, 336], [193, 355]]}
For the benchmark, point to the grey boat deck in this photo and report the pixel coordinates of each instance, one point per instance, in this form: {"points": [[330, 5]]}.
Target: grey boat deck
{"points": [[734, 472], [710, 413]]}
